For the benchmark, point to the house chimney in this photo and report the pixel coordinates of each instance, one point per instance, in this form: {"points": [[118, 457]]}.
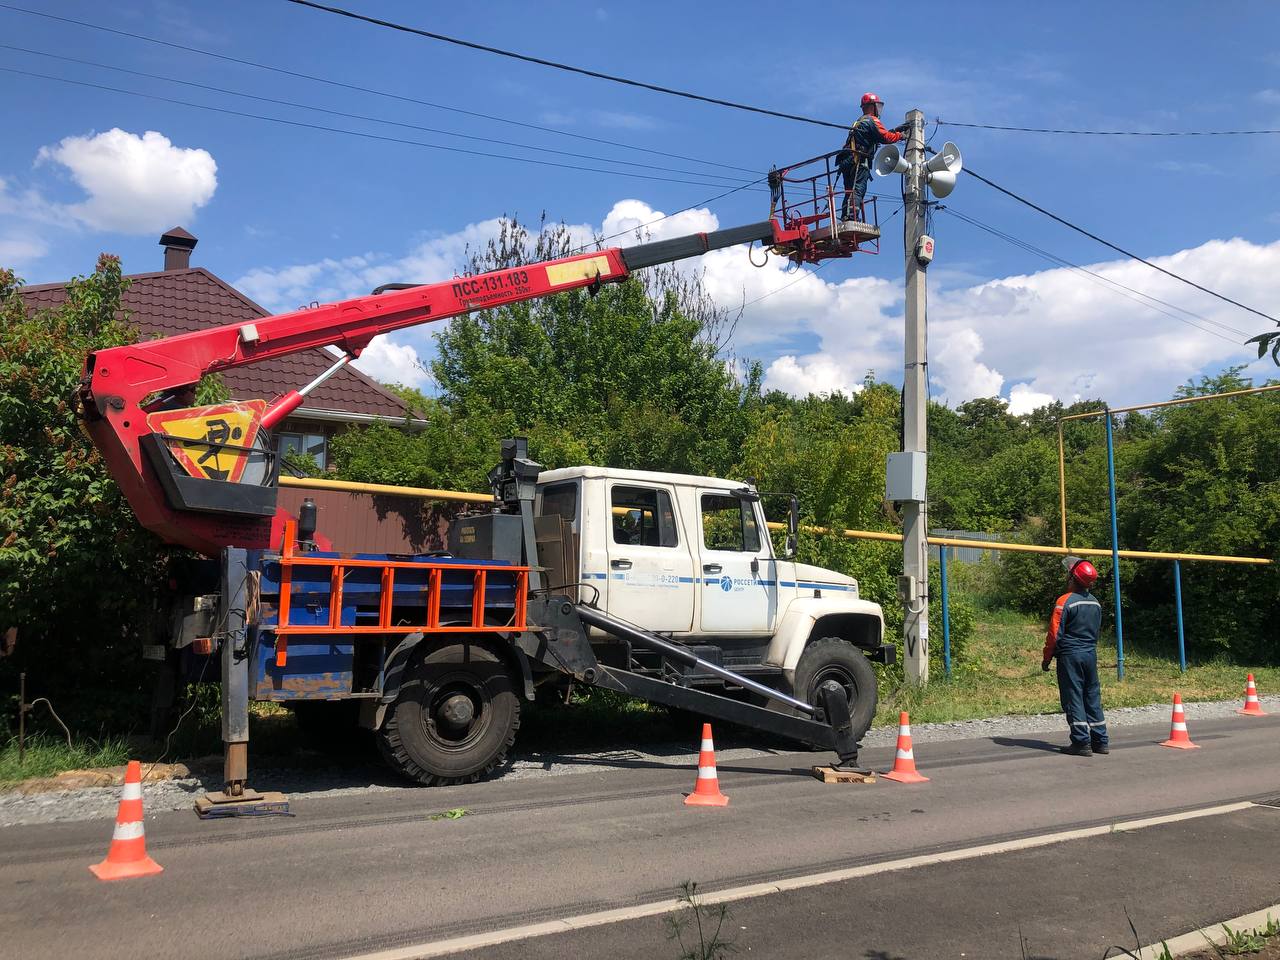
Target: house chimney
{"points": [[178, 245]]}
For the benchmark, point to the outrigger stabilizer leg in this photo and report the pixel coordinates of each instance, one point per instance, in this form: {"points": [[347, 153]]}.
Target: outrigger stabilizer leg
{"points": [[236, 799], [827, 725]]}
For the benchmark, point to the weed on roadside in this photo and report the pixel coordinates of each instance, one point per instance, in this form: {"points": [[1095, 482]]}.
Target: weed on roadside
{"points": [[698, 919]]}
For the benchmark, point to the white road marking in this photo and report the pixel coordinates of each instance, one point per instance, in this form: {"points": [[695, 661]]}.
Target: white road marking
{"points": [[440, 948]]}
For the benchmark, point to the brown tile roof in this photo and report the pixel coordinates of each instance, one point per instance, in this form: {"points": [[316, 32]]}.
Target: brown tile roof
{"points": [[179, 301]]}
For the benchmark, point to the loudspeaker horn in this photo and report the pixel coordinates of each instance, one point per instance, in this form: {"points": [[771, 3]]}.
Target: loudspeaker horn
{"points": [[948, 158], [942, 182], [889, 161]]}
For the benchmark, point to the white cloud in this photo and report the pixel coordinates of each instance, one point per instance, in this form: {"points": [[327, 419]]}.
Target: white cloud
{"points": [[18, 252], [391, 362], [813, 374], [1022, 399], [955, 364], [135, 184]]}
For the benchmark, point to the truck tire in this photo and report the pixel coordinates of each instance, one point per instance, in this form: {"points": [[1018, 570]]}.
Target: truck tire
{"points": [[455, 717], [834, 659]]}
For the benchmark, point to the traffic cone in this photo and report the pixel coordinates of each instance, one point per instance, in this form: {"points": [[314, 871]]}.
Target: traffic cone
{"points": [[1251, 708], [706, 789], [1178, 736], [904, 762], [127, 856]]}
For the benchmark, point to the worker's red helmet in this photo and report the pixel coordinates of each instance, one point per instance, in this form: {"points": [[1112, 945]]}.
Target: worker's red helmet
{"points": [[1085, 574], [869, 98]]}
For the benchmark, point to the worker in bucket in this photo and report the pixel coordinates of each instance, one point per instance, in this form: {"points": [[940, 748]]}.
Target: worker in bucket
{"points": [[854, 160], [1073, 639]]}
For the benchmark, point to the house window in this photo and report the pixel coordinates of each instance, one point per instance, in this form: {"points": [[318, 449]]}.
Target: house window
{"points": [[313, 444]]}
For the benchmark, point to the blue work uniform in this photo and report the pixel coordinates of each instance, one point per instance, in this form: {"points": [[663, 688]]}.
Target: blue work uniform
{"points": [[1073, 638]]}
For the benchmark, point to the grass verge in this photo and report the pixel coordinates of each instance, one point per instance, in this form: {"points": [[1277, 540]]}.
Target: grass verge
{"points": [[46, 756], [1002, 676]]}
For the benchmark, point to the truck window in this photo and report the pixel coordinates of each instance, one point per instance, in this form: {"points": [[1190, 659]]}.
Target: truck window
{"points": [[643, 517], [729, 523], [561, 498]]}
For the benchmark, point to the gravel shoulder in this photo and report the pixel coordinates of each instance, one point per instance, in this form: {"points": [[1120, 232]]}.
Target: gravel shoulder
{"points": [[354, 777]]}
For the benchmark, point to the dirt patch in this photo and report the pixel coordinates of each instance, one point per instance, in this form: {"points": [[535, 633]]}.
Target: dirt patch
{"points": [[103, 777]]}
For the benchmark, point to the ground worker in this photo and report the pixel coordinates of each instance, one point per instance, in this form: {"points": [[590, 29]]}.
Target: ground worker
{"points": [[854, 161], [1073, 639]]}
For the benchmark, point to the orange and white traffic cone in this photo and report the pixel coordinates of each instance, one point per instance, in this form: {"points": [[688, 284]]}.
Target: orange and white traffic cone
{"points": [[1252, 707], [706, 790], [904, 761], [1178, 736], [127, 856]]}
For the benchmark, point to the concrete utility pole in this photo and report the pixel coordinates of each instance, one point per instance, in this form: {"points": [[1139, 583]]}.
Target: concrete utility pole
{"points": [[915, 385]]}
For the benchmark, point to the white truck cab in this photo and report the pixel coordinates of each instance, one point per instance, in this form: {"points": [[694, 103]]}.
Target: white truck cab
{"points": [[691, 558]]}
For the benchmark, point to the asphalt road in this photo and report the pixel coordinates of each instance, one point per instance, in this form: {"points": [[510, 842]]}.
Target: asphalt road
{"points": [[347, 875]]}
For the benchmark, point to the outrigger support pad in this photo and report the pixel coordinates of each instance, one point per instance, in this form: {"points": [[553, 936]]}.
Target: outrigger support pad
{"points": [[835, 708]]}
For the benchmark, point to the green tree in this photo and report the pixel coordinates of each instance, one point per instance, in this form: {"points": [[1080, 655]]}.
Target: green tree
{"points": [[77, 573]]}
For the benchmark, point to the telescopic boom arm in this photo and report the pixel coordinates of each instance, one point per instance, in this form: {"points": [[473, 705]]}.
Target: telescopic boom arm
{"points": [[123, 385]]}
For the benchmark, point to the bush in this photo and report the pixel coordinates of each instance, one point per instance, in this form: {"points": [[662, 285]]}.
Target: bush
{"points": [[78, 575]]}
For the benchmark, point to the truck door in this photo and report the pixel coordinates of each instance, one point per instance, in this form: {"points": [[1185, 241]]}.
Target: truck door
{"points": [[651, 575], [739, 575]]}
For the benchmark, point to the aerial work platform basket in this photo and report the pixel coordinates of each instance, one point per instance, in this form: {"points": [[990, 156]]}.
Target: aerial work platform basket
{"points": [[807, 198]]}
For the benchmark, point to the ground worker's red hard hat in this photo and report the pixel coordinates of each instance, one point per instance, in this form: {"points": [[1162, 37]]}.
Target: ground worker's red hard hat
{"points": [[871, 98], [1085, 574]]}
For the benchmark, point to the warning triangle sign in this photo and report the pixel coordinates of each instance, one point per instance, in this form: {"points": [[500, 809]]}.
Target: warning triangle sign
{"points": [[210, 442]]}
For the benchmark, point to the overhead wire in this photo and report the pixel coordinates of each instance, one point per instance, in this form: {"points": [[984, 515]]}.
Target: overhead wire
{"points": [[356, 133], [541, 61], [569, 68], [355, 116], [1109, 133], [368, 90], [1124, 290], [616, 79], [1118, 249]]}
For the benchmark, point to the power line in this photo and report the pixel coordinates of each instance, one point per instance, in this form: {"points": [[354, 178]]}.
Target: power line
{"points": [[369, 90], [1118, 249], [392, 25], [1040, 251], [666, 216], [368, 136], [603, 76], [688, 95], [1137, 296], [1110, 133], [355, 116]]}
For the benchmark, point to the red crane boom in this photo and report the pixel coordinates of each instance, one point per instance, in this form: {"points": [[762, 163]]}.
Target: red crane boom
{"points": [[135, 399]]}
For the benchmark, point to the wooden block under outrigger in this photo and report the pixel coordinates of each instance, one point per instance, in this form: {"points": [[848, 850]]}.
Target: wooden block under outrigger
{"points": [[832, 775]]}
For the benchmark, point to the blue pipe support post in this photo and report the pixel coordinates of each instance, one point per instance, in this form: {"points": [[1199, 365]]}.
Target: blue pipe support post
{"points": [[1115, 547], [1177, 605], [946, 611]]}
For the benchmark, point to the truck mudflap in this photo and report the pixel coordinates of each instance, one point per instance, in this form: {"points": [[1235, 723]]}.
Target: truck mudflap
{"points": [[829, 725]]}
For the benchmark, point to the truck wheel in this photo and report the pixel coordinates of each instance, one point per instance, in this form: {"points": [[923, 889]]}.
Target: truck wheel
{"points": [[834, 659], [455, 717]]}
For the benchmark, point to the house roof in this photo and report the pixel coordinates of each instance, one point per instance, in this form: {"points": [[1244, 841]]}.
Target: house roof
{"points": [[180, 301]]}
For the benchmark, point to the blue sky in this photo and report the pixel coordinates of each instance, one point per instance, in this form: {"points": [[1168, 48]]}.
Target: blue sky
{"points": [[294, 214]]}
